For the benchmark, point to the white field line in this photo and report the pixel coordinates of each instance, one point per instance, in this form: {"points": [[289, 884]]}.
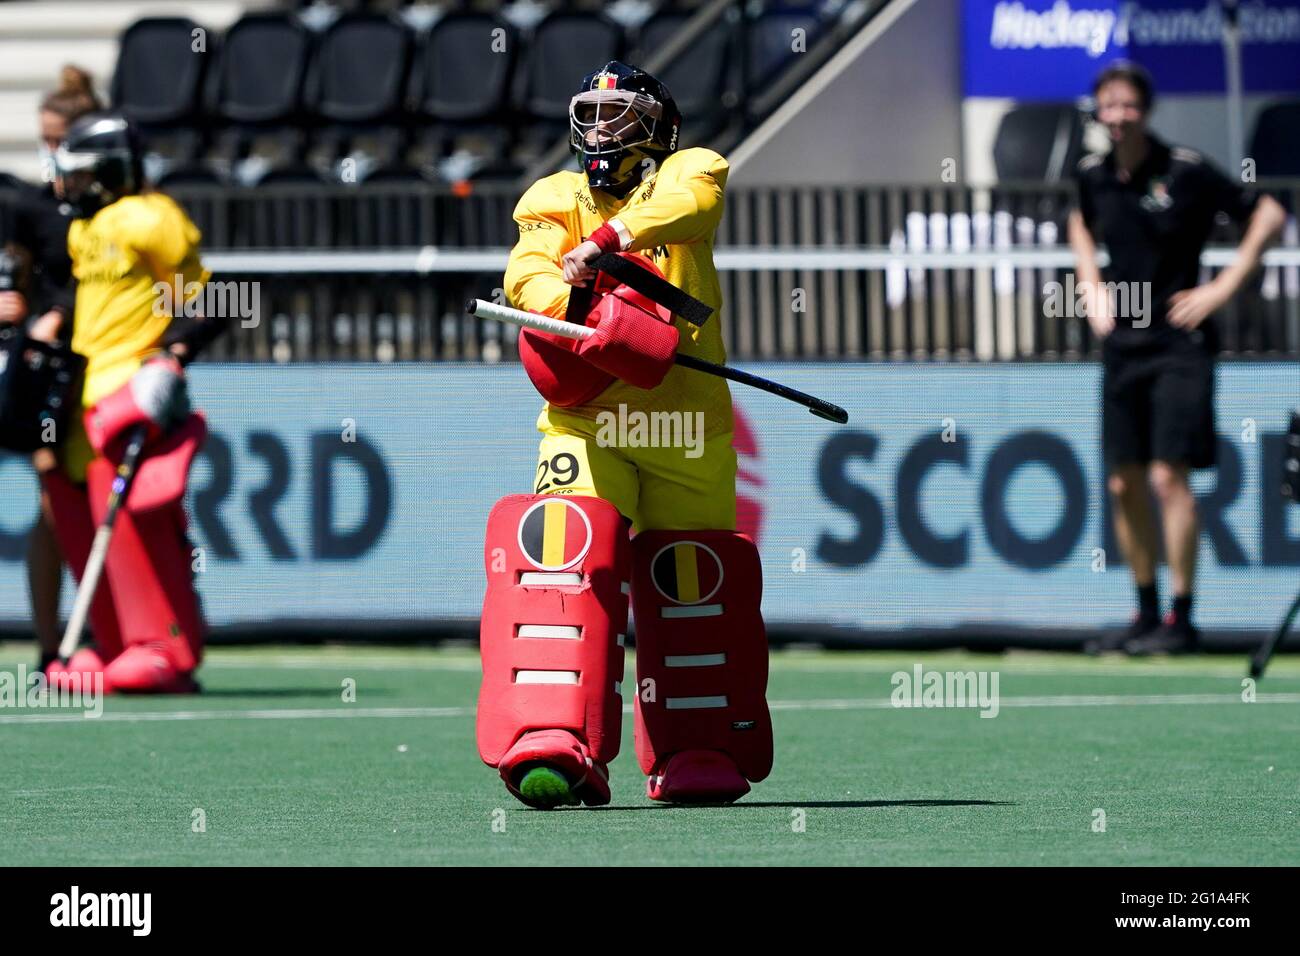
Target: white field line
{"points": [[1056, 700], [333, 663], [784, 664], [324, 713], [1236, 669], [471, 665]]}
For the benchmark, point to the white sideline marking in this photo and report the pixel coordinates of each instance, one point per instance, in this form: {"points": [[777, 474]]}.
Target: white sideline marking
{"points": [[319, 713], [1025, 668], [1060, 700], [316, 713], [329, 664], [782, 664]]}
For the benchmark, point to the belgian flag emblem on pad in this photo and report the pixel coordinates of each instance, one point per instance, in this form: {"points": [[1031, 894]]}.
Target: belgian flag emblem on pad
{"points": [[606, 81], [554, 534], [686, 572]]}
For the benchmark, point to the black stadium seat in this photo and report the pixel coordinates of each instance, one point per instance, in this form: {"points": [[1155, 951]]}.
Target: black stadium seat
{"points": [[564, 49], [1039, 141], [771, 40], [263, 63], [698, 78], [159, 83], [1275, 147], [460, 88], [460, 75], [159, 75], [360, 70]]}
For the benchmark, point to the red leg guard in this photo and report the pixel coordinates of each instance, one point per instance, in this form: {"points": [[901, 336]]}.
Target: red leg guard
{"points": [[552, 639], [149, 567], [702, 725], [75, 531]]}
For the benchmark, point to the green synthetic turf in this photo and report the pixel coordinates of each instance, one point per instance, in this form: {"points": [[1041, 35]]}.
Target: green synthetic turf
{"points": [[1185, 771]]}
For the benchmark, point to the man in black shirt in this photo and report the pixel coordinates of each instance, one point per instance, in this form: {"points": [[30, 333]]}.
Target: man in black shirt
{"points": [[1154, 206]]}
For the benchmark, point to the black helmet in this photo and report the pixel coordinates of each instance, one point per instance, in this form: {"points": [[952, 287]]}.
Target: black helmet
{"points": [[620, 117], [99, 161]]}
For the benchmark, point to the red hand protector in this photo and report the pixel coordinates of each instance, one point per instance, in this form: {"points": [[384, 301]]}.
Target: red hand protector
{"points": [[636, 345], [630, 343], [561, 377]]}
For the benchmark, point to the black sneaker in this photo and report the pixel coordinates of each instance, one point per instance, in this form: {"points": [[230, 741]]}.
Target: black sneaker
{"points": [[1170, 639], [1116, 641]]}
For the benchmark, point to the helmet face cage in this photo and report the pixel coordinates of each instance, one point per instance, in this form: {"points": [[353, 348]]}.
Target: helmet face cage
{"points": [[603, 122], [98, 162], [93, 180], [621, 118]]}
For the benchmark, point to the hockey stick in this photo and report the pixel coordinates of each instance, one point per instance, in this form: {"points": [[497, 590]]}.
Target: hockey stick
{"points": [[103, 538], [1261, 657], [1291, 490], [571, 330]]}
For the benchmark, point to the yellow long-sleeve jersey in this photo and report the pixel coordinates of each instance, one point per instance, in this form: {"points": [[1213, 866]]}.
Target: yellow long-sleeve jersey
{"points": [[118, 257], [672, 217]]}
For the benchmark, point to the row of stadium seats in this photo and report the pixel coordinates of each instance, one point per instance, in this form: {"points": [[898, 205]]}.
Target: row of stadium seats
{"points": [[284, 96]]}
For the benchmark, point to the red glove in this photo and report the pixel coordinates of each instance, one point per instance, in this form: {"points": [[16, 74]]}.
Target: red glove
{"points": [[635, 341], [155, 394], [560, 376], [630, 343]]}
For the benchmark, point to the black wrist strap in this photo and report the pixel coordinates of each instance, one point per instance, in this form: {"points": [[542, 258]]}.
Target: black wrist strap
{"points": [[652, 287]]}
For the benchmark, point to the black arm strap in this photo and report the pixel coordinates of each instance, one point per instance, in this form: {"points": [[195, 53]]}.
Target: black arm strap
{"points": [[652, 287]]}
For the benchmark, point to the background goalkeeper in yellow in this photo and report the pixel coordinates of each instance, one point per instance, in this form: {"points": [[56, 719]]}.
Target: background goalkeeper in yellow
{"points": [[127, 245], [560, 565]]}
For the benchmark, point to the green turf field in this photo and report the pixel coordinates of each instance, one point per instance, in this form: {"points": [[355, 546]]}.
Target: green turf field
{"points": [[286, 772]]}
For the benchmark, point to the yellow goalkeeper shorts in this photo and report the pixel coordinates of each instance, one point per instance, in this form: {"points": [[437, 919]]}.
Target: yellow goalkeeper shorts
{"points": [[659, 477]]}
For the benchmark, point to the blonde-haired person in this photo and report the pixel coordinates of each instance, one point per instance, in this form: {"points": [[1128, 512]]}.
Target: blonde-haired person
{"points": [[41, 220]]}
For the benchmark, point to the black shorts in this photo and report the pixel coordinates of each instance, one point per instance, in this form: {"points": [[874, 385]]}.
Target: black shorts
{"points": [[1158, 406]]}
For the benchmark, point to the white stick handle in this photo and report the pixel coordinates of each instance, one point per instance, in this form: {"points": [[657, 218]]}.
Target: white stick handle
{"points": [[529, 320], [86, 592]]}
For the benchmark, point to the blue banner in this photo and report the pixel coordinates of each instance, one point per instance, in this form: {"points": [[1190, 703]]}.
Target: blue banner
{"points": [[957, 495], [1052, 49]]}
